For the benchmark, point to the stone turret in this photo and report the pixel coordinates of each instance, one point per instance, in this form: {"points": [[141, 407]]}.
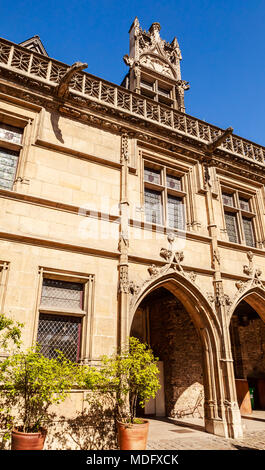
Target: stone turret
{"points": [[155, 66]]}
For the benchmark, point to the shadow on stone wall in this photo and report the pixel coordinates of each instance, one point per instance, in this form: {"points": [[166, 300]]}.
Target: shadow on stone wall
{"points": [[94, 428], [91, 428]]}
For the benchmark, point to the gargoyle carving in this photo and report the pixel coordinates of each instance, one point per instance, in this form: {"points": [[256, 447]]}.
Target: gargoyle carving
{"points": [[62, 89], [218, 140]]}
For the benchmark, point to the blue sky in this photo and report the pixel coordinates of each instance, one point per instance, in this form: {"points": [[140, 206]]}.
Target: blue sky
{"points": [[222, 44]]}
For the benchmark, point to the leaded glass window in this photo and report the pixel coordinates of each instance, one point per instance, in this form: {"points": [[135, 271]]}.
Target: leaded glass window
{"points": [[174, 182], [152, 176], [244, 204], [231, 226], [175, 212], [239, 224], [228, 199], [11, 133], [59, 332], [248, 231], [164, 197], [153, 206], [62, 294], [8, 167]]}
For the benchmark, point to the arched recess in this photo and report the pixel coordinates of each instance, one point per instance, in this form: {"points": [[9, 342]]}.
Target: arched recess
{"points": [[208, 328], [255, 297], [247, 333]]}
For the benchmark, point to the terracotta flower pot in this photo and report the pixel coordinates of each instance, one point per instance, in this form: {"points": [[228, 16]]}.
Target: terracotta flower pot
{"points": [[28, 440], [132, 436]]}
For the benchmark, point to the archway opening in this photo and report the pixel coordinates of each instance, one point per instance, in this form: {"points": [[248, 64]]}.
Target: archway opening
{"points": [[162, 321], [247, 332]]}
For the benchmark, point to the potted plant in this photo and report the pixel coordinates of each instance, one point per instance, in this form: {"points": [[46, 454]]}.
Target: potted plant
{"points": [[31, 383], [133, 376]]}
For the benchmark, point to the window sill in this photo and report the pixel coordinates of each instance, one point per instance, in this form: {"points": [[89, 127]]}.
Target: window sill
{"points": [[62, 311], [10, 145]]}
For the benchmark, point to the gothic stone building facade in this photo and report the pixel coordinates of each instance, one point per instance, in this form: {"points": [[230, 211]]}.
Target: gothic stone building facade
{"points": [[121, 214]]}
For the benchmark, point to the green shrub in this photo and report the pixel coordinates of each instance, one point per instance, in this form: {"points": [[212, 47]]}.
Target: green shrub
{"points": [[10, 331], [131, 377], [31, 383]]}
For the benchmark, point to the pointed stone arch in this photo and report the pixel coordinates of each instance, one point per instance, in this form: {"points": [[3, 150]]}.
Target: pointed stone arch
{"points": [[248, 365], [254, 296], [185, 290], [209, 330]]}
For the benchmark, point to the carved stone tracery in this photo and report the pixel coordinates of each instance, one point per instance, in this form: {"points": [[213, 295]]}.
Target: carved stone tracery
{"points": [[254, 280], [173, 264], [154, 52]]}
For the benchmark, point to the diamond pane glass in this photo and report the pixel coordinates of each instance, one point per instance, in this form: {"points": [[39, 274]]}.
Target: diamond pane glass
{"points": [[174, 182], [63, 294], [248, 231], [59, 333], [231, 226], [152, 206], [152, 176], [176, 212], [8, 167]]}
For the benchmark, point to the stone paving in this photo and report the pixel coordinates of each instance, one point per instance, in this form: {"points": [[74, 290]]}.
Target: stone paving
{"points": [[165, 434]]}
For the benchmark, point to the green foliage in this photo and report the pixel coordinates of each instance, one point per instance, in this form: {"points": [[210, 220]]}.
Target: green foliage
{"points": [[132, 374], [10, 331], [32, 382], [10, 336]]}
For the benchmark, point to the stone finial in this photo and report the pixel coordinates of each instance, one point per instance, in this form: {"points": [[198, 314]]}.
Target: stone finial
{"points": [[155, 28]]}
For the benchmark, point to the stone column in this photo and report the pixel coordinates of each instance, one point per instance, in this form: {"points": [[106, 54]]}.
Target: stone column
{"points": [[123, 328], [228, 409]]}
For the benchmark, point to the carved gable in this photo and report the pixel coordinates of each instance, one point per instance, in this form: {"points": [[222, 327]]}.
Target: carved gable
{"points": [[35, 45], [155, 66]]}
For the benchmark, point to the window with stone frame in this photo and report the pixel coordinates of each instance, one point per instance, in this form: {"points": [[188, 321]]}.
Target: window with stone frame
{"points": [[60, 318], [10, 146], [240, 217], [164, 197]]}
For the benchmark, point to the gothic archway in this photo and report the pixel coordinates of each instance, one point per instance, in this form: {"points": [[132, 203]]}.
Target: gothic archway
{"points": [[205, 321], [247, 333]]}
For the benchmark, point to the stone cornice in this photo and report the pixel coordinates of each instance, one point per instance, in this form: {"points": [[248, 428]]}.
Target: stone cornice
{"points": [[148, 133]]}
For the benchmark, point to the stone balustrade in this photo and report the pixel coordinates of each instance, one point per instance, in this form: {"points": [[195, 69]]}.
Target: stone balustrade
{"points": [[51, 71]]}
